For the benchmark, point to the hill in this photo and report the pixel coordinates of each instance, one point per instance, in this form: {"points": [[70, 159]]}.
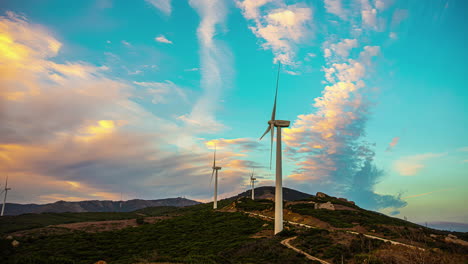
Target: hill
{"points": [[268, 192], [241, 231], [94, 206]]}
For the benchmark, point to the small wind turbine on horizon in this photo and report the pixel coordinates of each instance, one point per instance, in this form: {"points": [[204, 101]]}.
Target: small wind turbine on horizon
{"points": [[5, 190], [215, 171], [252, 184], [279, 170]]}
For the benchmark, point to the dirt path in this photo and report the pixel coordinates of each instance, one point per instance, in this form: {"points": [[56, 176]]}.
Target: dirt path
{"points": [[287, 244], [351, 232]]}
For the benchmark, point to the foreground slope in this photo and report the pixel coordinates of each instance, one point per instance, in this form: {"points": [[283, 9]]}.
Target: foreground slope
{"points": [[195, 234], [329, 229]]}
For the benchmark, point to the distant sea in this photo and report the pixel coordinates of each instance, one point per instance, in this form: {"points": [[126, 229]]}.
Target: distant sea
{"points": [[449, 226]]}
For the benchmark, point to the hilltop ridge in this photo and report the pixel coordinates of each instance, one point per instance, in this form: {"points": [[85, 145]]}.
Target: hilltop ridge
{"points": [[95, 206]]}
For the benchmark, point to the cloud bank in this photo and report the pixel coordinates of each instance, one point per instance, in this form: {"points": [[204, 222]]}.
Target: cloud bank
{"points": [[328, 146]]}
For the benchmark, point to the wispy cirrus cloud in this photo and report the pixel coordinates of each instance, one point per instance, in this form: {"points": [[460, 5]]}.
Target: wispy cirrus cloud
{"points": [[412, 165], [241, 144], [161, 91], [162, 5], [215, 65], [427, 193]]}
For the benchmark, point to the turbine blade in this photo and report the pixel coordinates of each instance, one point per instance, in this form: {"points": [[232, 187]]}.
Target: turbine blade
{"points": [[6, 182], [214, 157], [266, 132], [271, 145], [211, 181], [273, 114]]}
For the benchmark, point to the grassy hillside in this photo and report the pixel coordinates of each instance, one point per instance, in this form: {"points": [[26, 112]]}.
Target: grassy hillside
{"points": [[197, 234], [196, 237], [10, 224]]}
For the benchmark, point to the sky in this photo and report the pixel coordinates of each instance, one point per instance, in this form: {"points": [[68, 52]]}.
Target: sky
{"points": [[103, 98]]}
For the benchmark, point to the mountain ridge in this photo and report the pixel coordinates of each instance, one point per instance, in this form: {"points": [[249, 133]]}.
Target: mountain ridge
{"points": [[95, 206]]}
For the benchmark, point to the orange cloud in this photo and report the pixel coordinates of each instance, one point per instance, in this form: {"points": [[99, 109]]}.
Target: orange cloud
{"points": [[393, 143], [412, 165]]}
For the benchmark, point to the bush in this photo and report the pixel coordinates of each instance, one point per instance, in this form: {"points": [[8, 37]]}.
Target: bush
{"points": [[140, 221]]}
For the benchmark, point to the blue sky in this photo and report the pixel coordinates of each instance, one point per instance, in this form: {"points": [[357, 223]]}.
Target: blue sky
{"points": [[103, 97]]}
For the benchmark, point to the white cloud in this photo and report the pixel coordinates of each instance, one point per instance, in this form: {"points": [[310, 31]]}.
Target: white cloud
{"points": [[162, 39], [163, 5], [463, 149], [343, 48], [335, 7], [161, 90], [126, 43], [215, 65], [393, 35], [412, 165], [292, 72], [280, 28]]}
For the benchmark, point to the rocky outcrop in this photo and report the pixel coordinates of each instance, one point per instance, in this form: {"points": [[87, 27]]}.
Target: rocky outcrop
{"points": [[327, 206]]}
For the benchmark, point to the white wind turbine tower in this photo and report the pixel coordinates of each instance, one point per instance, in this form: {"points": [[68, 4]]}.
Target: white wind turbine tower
{"points": [[6, 189], [252, 184], [279, 173], [215, 169]]}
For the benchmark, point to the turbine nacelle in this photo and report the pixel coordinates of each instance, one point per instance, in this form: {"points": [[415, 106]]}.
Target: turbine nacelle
{"points": [[216, 168], [279, 123]]}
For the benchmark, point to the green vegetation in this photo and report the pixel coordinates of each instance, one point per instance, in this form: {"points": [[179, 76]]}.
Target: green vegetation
{"points": [[327, 245], [248, 204], [346, 218], [157, 210], [10, 224], [196, 237]]}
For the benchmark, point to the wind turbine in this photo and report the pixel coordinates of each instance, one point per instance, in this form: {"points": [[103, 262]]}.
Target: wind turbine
{"points": [[215, 169], [252, 184], [279, 173], [4, 197]]}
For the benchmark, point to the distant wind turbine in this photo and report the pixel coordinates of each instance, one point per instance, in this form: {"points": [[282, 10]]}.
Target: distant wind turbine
{"points": [[279, 173], [121, 201], [5, 190], [215, 169], [252, 184]]}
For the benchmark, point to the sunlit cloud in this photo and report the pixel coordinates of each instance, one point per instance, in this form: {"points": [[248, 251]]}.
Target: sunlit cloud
{"points": [[281, 27], [241, 144], [412, 165], [162, 39], [427, 193], [72, 132], [393, 143], [328, 146]]}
